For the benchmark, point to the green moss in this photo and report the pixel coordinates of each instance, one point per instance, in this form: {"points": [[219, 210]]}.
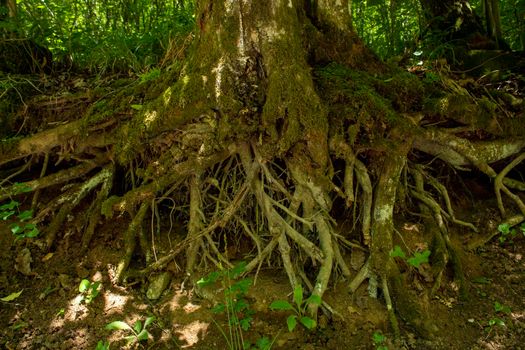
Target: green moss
{"points": [[404, 90], [357, 109], [107, 206]]}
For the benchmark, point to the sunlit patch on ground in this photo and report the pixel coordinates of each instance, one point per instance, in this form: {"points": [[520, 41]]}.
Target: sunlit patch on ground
{"points": [[192, 332]]}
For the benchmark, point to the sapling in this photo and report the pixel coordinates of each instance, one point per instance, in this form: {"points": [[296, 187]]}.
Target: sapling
{"points": [[298, 310]]}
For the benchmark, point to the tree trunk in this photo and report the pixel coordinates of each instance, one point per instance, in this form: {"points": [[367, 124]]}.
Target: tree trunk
{"points": [[274, 113]]}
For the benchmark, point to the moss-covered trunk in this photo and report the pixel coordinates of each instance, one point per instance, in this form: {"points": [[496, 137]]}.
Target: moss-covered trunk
{"points": [[277, 112]]}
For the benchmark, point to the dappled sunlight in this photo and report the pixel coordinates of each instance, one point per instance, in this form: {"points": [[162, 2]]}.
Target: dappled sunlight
{"points": [[218, 77], [114, 303], [192, 333], [180, 301], [166, 96], [150, 117], [74, 312]]}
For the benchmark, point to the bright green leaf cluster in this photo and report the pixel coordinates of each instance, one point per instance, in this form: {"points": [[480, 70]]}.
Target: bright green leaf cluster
{"points": [[138, 332], [299, 309], [89, 290], [415, 260]]}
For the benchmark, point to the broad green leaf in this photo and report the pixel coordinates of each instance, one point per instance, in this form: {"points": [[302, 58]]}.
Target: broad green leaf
{"points": [[219, 308], [308, 322], [137, 326], [16, 229], [281, 305], [291, 321], [241, 286], [84, 285], [143, 335], [298, 295], [238, 269], [25, 215], [245, 323], [117, 325], [9, 206], [137, 107], [314, 299], [419, 258], [398, 252], [501, 308], [94, 286], [504, 228], [4, 215], [130, 339], [102, 345], [378, 338], [149, 321], [11, 296], [22, 187], [31, 230], [496, 322], [263, 343]]}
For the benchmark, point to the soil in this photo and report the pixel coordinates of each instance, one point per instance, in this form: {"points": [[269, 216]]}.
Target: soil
{"points": [[51, 313]]}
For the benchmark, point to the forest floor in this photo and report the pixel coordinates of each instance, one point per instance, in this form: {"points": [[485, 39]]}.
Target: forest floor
{"points": [[51, 313]]}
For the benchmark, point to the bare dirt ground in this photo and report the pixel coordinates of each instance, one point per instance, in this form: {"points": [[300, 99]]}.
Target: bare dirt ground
{"points": [[50, 312]]}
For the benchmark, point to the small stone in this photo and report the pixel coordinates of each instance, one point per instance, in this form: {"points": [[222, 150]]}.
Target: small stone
{"points": [[158, 284], [470, 320]]}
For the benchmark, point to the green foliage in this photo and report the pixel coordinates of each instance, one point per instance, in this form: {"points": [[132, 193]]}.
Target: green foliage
{"points": [[415, 260], [9, 210], [507, 233], [11, 296], [89, 290], [501, 308], [101, 345], [235, 306], [105, 36], [379, 341], [388, 27], [298, 310], [138, 332]]}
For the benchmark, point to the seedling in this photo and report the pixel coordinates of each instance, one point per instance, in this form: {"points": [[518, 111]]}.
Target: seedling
{"points": [[138, 331], [89, 290], [19, 228], [235, 305], [379, 341], [501, 308], [507, 233], [496, 321], [101, 345], [298, 310], [415, 260], [263, 343], [493, 322]]}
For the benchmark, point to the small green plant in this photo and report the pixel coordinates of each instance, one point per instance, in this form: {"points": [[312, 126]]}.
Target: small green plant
{"points": [[498, 307], [138, 332], [20, 229], [235, 306], [507, 233], [299, 309], [379, 341], [497, 321], [415, 260], [89, 290], [263, 343], [102, 345]]}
